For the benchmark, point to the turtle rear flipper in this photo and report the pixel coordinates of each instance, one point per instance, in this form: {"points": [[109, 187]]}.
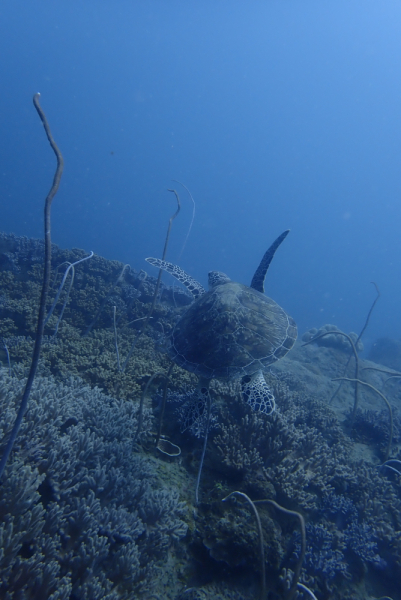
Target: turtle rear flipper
{"points": [[258, 280], [257, 393]]}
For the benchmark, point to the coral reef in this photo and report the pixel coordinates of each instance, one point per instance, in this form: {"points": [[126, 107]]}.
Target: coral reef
{"points": [[306, 461], [324, 556], [216, 591], [88, 511], [83, 514], [238, 443], [94, 294], [371, 425]]}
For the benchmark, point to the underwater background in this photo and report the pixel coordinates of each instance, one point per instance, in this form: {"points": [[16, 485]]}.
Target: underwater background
{"points": [[263, 116]]}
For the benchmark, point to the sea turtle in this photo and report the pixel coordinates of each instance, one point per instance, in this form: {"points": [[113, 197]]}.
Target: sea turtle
{"points": [[231, 331]]}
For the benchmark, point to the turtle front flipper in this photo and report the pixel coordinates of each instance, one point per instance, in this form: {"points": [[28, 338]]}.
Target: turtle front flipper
{"points": [[257, 393], [191, 284]]}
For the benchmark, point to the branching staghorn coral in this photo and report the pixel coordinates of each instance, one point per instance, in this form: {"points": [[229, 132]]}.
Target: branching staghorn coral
{"points": [[81, 512], [302, 447], [378, 501], [93, 357], [238, 443]]}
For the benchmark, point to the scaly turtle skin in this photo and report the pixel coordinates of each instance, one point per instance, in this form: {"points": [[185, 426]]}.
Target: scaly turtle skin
{"points": [[232, 331]]}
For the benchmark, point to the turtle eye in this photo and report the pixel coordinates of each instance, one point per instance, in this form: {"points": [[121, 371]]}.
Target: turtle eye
{"points": [[204, 390]]}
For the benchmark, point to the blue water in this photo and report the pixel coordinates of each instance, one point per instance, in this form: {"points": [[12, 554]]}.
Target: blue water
{"points": [[274, 114]]}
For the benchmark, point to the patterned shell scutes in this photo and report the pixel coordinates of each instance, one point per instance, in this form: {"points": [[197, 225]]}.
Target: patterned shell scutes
{"points": [[231, 331]]}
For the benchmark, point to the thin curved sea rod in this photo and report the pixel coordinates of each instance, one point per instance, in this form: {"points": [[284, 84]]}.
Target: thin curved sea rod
{"points": [[390, 412], [291, 513], [102, 304], [356, 377], [69, 267], [140, 411], [164, 400], [393, 374], [45, 287], [149, 316], [192, 218], [207, 429], [290, 594], [261, 540], [359, 337]]}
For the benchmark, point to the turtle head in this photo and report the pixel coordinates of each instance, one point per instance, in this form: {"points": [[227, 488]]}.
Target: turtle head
{"points": [[216, 278]]}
